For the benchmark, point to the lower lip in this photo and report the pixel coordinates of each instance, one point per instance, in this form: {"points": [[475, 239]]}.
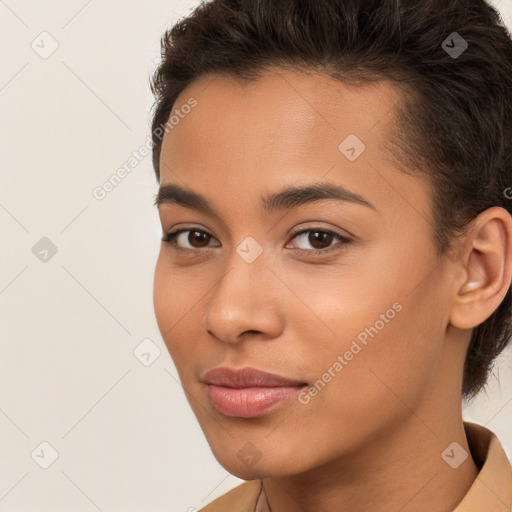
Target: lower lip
{"points": [[249, 402]]}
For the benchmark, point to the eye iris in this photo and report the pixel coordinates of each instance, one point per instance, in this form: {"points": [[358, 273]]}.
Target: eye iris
{"points": [[201, 236], [313, 239]]}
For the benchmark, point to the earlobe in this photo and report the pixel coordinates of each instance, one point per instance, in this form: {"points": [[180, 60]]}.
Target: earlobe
{"points": [[487, 271]]}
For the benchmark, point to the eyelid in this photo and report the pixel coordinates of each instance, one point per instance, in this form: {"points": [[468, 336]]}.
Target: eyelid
{"points": [[319, 229]]}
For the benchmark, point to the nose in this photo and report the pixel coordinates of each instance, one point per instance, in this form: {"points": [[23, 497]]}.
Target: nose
{"points": [[244, 303]]}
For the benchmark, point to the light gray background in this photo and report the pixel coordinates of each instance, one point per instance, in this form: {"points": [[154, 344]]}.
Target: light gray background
{"points": [[125, 436]]}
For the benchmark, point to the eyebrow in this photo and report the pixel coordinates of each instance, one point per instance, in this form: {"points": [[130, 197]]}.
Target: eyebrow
{"points": [[288, 198]]}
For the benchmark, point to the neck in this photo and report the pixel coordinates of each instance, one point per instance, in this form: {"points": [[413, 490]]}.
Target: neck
{"points": [[402, 469]]}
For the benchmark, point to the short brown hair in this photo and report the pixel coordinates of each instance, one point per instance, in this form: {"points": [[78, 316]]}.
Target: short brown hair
{"points": [[454, 121]]}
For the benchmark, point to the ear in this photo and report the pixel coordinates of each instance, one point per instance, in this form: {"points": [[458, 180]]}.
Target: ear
{"points": [[486, 269]]}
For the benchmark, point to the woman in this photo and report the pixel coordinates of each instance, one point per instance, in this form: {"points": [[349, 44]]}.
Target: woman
{"points": [[336, 261]]}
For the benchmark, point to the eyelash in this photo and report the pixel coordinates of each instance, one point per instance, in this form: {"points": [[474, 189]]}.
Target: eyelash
{"points": [[344, 241]]}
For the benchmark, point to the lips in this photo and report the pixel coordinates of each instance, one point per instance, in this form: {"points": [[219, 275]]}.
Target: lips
{"points": [[247, 392], [247, 377]]}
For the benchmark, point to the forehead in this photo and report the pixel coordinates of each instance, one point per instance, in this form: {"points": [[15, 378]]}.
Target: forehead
{"points": [[291, 110], [286, 127]]}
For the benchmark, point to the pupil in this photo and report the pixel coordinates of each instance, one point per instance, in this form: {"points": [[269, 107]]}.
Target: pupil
{"points": [[313, 239], [199, 235]]}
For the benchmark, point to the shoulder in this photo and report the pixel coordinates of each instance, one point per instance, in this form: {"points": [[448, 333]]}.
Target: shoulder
{"points": [[242, 498], [492, 489]]}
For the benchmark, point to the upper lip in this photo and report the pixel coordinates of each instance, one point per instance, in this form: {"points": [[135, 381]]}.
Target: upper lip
{"points": [[246, 377]]}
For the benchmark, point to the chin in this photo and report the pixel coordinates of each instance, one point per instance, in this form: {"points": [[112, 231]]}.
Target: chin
{"points": [[248, 464]]}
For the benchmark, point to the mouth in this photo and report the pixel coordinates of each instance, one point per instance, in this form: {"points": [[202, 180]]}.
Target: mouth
{"points": [[249, 402], [247, 392]]}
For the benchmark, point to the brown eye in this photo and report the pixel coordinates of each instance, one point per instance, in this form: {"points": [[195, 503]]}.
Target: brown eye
{"points": [[196, 239], [320, 240], [198, 236]]}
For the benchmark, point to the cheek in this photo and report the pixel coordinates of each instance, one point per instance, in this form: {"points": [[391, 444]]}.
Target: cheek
{"points": [[161, 297], [169, 304], [174, 295], [394, 361], [374, 385], [177, 305], [388, 339]]}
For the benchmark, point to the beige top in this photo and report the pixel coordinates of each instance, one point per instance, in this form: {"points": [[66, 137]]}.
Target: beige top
{"points": [[490, 492]]}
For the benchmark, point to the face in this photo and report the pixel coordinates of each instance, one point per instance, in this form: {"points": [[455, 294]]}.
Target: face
{"points": [[340, 293]]}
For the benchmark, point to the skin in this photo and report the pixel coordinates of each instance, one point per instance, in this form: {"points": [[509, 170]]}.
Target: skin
{"points": [[372, 438]]}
